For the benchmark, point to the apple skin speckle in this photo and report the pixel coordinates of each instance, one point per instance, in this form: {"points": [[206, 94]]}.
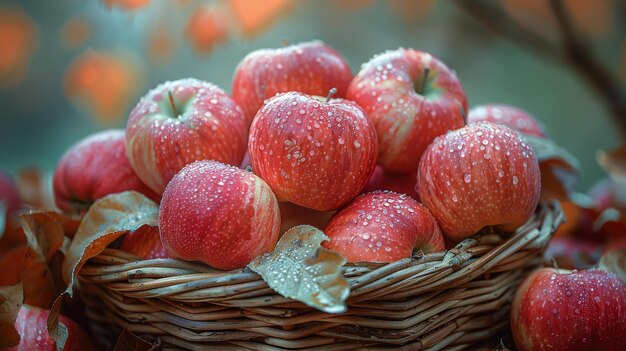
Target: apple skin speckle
{"points": [[383, 226], [570, 310], [466, 190], [218, 214]]}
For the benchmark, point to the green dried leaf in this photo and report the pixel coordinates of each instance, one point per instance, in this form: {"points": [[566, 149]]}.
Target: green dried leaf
{"points": [[11, 299], [107, 219], [300, 269], [615, 261]]}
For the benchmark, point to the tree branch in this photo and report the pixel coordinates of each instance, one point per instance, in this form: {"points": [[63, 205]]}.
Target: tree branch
{"points": [[572, 52]]}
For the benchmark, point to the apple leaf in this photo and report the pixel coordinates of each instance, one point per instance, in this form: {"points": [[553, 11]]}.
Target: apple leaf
{"points": [[128, 341], [300, 269], [107, 219], [40, 267], [11, 299], [615, 261]]}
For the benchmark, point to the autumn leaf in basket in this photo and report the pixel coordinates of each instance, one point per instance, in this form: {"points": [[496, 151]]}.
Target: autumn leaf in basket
{"points": [[614, 163], [106, 220], [300, 269], [10, 303], [559, 168], [615, 261], [47, 237]]}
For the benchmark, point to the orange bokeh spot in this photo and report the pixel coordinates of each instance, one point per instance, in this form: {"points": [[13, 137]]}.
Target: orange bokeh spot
{"points": [[412, 11], [593, 18], [129, 5], [103, 84], [206, 28], [160, 44], [19, 42], [255, 16], [75, 32]]}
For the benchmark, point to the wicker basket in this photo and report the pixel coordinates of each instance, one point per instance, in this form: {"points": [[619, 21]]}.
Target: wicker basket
{"points": [[444, 300]]}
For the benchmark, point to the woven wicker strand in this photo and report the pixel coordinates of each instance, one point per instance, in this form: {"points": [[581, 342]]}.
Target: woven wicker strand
{"points": [[443, 300]]}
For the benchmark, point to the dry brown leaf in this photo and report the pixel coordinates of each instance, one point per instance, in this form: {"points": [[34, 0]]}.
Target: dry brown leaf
{"points": [[107, 219], [300, 269], [614, 162], [45, 237], [615, 261], [10, 303]]}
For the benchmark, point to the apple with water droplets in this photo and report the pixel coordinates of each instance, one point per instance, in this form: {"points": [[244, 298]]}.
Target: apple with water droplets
{"points": [[92, 168], [383, 226], [310, 67], [31, 325], [145, 243], [481, 175], [317, 153], [570, 310], [218, 214], [180, 122], [411, 97], [511, 116]]}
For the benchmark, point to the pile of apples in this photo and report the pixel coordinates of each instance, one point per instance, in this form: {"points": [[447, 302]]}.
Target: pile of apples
{"points": [[393, 150]]}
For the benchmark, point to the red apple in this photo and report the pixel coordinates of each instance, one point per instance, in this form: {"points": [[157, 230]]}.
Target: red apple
{"points": [[403, 183], [316, 154], [512, 117], [411, 97], [180, 122], [31, 324], [92, 168], [292, 215], [145, 243], [383, 226], [570, 310], [311, 68], [481, 175], [218, 214]]}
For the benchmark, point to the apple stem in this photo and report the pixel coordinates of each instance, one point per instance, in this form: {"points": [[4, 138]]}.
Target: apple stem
{"points": [[423, 87], [554, 263], [331, 93], [171, 97]]}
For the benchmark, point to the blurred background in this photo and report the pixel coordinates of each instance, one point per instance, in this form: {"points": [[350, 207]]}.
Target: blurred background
{"points": [[71, 67]]}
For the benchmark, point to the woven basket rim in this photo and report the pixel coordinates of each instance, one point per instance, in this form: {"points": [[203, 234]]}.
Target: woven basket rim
{"points": [[453, 297]]}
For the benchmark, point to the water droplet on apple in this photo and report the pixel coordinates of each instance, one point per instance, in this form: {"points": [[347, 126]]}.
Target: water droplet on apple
{"points": [[467, 178]]}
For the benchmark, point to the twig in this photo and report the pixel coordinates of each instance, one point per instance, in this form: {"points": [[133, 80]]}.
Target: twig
{"points": [[575, 54]]}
